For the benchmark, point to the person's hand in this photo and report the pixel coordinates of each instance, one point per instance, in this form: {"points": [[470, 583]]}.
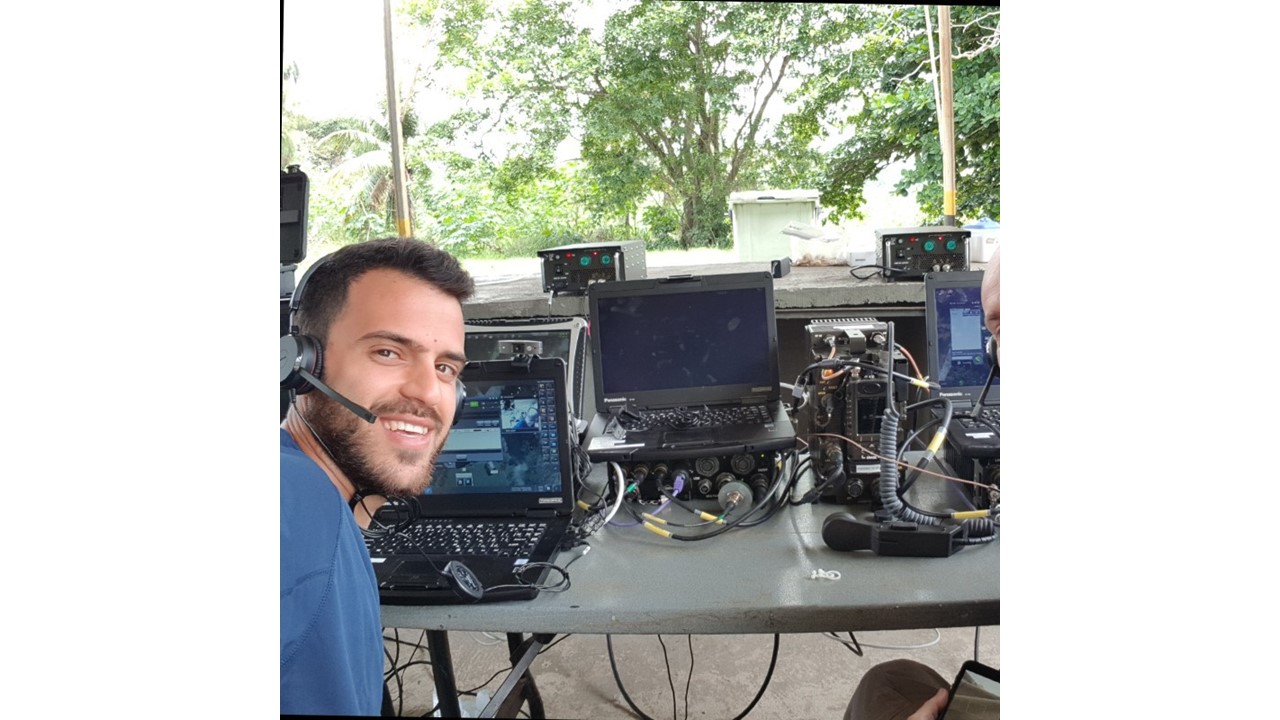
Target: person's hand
{"points": [[932, 707]]}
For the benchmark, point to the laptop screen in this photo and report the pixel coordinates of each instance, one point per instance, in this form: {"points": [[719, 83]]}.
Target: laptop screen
{"points": [[960, 333], [508, 448], [706, 340]]}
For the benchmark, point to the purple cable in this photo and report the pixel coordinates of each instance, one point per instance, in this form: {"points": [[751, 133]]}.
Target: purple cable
{"points": [[677, 487]]}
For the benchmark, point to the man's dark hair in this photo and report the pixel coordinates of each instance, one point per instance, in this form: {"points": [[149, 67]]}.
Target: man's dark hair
{"points": [[325, 293]]}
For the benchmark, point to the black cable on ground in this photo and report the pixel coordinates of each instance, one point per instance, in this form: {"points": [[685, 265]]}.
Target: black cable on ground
{"points": [[670, 682], [773, 661], [613, 665], [689, 680]]}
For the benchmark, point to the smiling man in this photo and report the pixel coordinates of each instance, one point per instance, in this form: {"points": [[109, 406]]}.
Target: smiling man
{"points": [[387, 315]]}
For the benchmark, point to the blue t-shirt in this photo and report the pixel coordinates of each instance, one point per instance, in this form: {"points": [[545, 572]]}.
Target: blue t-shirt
{"points": [[330, 627]]}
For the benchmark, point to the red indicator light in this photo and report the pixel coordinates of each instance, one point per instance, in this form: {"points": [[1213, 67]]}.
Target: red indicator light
{"points": [[914, 240], [568, 255]]}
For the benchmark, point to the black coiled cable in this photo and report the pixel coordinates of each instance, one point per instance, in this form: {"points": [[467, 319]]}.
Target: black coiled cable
{"points": [[889, 473]]}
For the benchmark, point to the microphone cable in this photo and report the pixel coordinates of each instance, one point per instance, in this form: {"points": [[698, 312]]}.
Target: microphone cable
{"points": [[858, 445], [407, 510], [939, 437], [978, 526], [379, 530]]}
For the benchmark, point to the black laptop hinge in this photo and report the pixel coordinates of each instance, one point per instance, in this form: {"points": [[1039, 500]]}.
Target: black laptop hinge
{"points": [[541, 514]]}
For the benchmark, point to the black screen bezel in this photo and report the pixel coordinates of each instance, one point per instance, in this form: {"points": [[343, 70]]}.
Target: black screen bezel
{"points": [[974, 667]]}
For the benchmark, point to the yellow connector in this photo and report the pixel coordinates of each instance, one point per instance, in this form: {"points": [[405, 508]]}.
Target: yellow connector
{"points": [[655, 529], [709, 517], [936, 443]]}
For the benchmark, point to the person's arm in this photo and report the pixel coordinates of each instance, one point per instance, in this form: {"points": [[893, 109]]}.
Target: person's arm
{"points": [[932, 707], [991, 296]]}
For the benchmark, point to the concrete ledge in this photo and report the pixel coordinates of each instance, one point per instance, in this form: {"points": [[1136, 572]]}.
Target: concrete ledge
{"points": [[804, 288]]}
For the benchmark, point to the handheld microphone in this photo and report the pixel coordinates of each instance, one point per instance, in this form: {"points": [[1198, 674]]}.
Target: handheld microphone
{"points": [[320, 385], [992, 360]]}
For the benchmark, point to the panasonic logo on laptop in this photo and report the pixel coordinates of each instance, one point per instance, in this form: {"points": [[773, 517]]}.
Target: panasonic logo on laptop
{"points": [[621, 399], [548, 500], [955, 394]]}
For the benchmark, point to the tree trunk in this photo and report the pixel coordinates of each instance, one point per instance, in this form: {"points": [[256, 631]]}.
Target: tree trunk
{"points": [[688, 222]]}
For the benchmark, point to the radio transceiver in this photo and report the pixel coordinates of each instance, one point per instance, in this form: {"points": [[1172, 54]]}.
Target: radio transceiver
{"points": [[909, 253], [570, 269]]}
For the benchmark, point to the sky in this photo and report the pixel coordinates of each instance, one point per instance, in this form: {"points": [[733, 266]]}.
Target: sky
{"points": [[339, 47]]}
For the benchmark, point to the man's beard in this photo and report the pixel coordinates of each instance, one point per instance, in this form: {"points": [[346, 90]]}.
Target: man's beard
{"points": [[340, 432]]}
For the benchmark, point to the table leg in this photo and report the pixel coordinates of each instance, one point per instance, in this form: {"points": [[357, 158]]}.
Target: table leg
{"points": [[530, 689], [442, 671]]}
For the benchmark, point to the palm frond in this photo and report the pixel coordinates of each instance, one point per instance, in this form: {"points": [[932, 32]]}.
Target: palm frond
{"points": [[351, 139]]}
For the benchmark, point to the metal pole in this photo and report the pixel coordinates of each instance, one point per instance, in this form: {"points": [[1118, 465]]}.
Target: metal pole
{"points": [[403, 226], [442, 670], [946, 118]]}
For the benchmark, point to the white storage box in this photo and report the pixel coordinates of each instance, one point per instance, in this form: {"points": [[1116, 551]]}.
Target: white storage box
{"points": [[983, 240]]}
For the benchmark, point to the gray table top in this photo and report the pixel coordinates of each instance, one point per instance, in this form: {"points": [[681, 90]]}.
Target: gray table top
{"points": [[748, 580]]}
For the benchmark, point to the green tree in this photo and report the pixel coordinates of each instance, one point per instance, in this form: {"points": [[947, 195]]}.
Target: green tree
{"points": [[883, 92], [672, 98], [361, 172]]}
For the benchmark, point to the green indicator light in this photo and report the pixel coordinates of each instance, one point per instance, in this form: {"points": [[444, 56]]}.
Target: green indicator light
{"points": [[584, 261], [951, 244], [929, 245], [605, 260]]}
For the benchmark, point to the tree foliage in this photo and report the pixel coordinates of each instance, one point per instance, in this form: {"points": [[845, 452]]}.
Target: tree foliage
{"points": [[563, 128], [672, 98], [883, 91]]}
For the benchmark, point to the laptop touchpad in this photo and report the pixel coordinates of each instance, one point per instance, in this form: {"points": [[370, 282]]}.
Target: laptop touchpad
{"points": [[412, 573]]}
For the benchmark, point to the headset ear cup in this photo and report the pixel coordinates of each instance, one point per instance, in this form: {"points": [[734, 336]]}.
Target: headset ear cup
{"points": [[993, 360], [297, 353], [460, 393]]}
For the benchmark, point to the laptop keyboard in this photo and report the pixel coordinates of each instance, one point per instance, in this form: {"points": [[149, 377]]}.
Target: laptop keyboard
{"points": [[460, 537], [704, 417], [990, 420]]}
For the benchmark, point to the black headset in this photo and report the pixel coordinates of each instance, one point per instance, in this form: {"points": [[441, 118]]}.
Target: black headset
{"points": [[303, 355]]}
